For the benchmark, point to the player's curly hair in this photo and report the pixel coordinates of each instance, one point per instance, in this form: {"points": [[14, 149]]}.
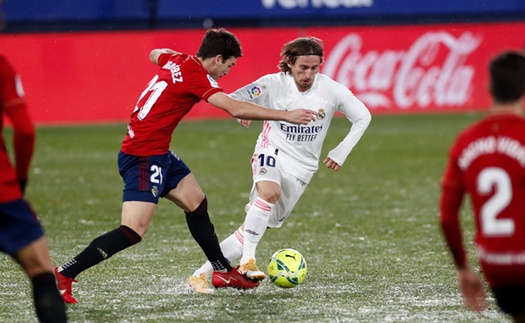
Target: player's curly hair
{"points": [[300, 47], [219, 42], [507, 77]]}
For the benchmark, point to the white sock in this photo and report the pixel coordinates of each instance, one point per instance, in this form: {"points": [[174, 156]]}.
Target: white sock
{"points": [[255, 225], [231, 248]]}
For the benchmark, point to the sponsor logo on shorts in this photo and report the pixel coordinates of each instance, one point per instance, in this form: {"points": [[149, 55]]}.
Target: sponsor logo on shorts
{"points": [[262, 171], [155, 191]]}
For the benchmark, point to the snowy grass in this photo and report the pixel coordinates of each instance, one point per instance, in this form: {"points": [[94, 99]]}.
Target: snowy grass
{"points": [[368, 232]]}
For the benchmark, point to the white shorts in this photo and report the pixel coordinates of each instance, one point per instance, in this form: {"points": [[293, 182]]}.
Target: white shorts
{"points": [[266, 166]]}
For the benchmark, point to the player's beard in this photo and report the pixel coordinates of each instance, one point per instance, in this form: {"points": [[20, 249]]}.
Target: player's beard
{"points": [[305, 85]]}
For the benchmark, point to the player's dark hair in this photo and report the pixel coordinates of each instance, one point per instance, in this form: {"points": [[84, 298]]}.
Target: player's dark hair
{"points": [[219, 42], [300, 47], [507, 76]]}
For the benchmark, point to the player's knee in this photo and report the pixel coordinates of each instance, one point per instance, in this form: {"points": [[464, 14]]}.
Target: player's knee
{"points": [[270, 195], [201, 209]]}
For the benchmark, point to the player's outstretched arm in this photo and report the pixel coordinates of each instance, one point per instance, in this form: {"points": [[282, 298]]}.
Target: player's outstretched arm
{"points": [[154, 54], [249, 111]]}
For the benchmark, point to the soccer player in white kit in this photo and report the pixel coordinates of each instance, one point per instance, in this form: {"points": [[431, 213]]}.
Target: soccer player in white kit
{"points": [[286, 156]]}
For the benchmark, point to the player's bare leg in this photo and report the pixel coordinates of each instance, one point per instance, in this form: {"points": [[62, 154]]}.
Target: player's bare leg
{"points": [[137, 216]]}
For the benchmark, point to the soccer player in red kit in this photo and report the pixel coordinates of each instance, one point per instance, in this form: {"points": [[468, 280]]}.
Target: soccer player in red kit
{"points": [[487, 162], [21, 234], [150, 170]]}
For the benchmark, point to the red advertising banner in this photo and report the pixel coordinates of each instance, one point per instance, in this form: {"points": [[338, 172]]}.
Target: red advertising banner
{"points": [[98, 76], [438, 68]]}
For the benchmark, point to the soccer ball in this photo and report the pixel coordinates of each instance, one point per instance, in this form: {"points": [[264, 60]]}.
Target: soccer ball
{"points": [[287, 268]]}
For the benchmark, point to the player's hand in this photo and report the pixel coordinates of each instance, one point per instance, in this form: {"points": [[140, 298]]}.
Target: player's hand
{"points": [[301, 116], [472, 290], [331, 164], [244, 123]]}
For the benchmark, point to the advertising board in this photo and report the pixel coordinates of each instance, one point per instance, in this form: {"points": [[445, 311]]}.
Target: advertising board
{"points": [[98, 76]]}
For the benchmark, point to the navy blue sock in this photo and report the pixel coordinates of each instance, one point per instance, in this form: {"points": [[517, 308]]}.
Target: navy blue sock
{"points": [[100, 249]]}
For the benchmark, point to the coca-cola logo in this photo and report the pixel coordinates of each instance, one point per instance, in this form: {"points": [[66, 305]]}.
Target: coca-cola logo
{"points": [[431, 72]]}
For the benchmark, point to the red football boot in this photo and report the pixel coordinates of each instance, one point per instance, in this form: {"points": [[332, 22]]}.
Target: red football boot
{"points": [[64, 287], [233, 279]]}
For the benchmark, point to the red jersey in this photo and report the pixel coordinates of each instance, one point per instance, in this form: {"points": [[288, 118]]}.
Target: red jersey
{"points": [[487, 161], [11, 99], [181, 82]]}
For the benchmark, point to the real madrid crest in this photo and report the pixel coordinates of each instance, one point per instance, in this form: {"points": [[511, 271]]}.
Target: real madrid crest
{"points": [[321, 114]]}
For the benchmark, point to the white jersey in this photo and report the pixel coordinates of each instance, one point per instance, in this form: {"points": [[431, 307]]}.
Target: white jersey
{"points": [[300, 145]]}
